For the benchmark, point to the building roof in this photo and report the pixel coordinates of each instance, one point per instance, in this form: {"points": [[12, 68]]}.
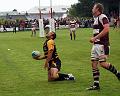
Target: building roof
{"points": [[10, 13], [33, 13], [46, 9]]}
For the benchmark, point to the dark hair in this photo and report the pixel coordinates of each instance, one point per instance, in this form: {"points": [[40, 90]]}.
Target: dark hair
{"points": [[54, 35], [100, 7]]}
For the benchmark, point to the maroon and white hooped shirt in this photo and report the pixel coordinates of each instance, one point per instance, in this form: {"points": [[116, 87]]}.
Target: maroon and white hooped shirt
{"points": [[98, 27]]}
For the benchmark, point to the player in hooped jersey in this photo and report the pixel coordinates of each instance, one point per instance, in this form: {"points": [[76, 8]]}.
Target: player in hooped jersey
{"points": [[34, 24], [100, 49], [72, 27]]}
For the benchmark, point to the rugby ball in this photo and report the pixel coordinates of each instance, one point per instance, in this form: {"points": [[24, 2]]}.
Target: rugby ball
{"points": [[35, 54]]}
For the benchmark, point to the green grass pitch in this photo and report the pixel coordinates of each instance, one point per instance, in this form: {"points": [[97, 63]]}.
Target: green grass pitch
{"points": [[20, 75]]}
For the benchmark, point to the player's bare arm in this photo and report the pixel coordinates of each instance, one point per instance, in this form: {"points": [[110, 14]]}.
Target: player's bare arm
{"points": [[50, 52], [40, 58], [103, 33]]}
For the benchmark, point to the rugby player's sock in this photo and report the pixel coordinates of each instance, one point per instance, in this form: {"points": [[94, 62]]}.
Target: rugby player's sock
{"points": [[96, 75], [112, 69], [62, 77], [74, 36], [71, 36]]}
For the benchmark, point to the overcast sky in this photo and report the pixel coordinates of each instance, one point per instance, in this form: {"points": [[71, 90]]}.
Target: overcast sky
{"points": [[24, 5]]}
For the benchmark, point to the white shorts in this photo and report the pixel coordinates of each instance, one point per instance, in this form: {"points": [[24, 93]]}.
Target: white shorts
{"points": [[98, 53], [33, 29], [72, 29]]}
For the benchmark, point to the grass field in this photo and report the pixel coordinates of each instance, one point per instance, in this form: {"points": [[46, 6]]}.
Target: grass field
{"points": [[20, 75]]}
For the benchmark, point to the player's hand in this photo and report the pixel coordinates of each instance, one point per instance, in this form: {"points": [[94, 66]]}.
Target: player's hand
{"points": [[39, 57], [92, 40], [36, 58]]}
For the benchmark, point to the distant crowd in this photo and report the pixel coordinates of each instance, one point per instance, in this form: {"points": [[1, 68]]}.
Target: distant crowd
{"points": [[22, 25]]}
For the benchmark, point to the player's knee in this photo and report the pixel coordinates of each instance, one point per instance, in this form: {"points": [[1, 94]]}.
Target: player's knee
{"points": [[104, 64], [54, 73]]}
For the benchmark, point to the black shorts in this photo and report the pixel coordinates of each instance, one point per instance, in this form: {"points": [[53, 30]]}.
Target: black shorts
{"points": [[107, 50], [56, 63]]}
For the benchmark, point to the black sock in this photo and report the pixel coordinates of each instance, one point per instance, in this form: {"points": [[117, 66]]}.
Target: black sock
{"points": [[96, 75], [62, 77], [74, 36], [112, 69], [71, 36]]}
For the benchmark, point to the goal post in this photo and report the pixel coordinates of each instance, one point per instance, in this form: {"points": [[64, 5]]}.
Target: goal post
{"points": [[52, 24], [41, 28]]}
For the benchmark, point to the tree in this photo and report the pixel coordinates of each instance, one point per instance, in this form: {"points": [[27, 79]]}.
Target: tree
{"points": [[14, 10], [75, 10], [83, 8]]}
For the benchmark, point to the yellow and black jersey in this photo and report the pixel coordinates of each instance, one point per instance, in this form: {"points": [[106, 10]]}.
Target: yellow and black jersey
{"points": [[55, 62], [49, 45]]}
